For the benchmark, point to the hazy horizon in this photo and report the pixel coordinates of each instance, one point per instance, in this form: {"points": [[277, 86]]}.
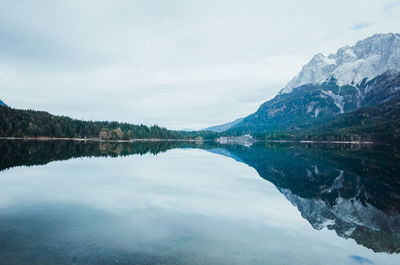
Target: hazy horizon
{"points": [[178, 64]]}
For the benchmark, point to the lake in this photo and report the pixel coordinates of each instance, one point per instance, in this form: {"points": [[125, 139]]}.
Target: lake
{"points": [[66, 202]]}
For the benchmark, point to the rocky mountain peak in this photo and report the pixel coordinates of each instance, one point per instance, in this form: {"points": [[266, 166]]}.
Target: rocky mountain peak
{"points": [[367, 59]]}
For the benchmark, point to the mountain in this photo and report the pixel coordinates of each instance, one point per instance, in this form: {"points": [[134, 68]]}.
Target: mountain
{"points": [[351, 65], [2, 103], [224, 127], [378, 120], [364, 75], [308, 104]]}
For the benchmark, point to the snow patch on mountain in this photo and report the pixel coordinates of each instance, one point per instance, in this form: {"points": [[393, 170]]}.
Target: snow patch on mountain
{"points": [[317, 69], [337, 183], [367, 59], [337, 99], [317, 110], [310, 107]]}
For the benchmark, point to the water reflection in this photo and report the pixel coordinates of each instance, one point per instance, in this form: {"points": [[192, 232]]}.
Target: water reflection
{"points": [[28, 153], [353, 190]]}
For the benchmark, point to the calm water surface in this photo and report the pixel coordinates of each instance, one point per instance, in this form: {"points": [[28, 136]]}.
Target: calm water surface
{"points": [[174, 203]]}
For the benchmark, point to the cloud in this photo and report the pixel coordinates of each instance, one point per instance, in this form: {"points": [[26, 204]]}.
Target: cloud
{"points": [[360, 260], [361, 25], [392, 5]]}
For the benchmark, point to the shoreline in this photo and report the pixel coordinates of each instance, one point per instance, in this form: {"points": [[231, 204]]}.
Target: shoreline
{"points": [[338, 142], [174, 140], [98, 139], [320, 142]]}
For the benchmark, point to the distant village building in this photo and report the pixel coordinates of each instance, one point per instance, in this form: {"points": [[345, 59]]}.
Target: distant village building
{"points": [[246, 140]]}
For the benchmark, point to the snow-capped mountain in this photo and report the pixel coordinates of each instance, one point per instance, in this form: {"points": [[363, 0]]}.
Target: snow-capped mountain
{"points": [[366, 74], [352, 64], [311, 102]]}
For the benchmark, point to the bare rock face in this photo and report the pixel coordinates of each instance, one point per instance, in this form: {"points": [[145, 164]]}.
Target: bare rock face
{"points": [[351, 65]]}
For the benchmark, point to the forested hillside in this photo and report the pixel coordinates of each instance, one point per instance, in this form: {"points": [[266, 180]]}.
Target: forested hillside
{"points": [[379, 123], [30, 123]]}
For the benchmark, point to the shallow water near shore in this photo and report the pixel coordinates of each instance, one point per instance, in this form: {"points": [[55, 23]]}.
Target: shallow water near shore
{"points": [[185, 203]]}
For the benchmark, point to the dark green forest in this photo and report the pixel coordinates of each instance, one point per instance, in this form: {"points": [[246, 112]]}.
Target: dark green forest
{"points": [[30, 123], [376, 123], [379, 123], [373, 115]]}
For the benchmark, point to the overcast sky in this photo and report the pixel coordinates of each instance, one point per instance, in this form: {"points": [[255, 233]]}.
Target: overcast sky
{"points": [[179, 64]]}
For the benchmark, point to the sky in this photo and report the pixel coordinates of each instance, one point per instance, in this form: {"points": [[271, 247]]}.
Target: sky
{"points": [[179, 64]]}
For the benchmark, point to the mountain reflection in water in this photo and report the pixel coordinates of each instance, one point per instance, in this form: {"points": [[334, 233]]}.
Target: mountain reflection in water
{"points": [[352, 189]]}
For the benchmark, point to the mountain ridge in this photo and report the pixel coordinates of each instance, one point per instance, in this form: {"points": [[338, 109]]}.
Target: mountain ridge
{"points": [[366, 74], [224, 127], [350, 65], [309, 103]]}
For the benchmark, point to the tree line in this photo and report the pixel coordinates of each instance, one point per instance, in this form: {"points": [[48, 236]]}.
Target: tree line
{"points": [[30, 123]]}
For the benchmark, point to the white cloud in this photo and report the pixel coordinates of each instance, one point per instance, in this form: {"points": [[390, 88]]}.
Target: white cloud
{"points": [[175, 63]]}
